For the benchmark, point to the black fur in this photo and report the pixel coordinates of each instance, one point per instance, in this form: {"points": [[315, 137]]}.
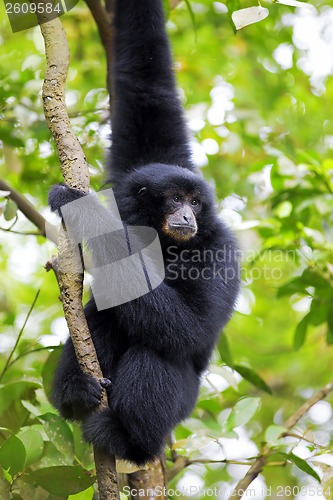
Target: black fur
{"points": [[154, 348]]}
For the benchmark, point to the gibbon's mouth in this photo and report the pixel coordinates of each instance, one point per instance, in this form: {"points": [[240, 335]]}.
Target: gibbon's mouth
{"points": [[187, 228], [181, 232]]}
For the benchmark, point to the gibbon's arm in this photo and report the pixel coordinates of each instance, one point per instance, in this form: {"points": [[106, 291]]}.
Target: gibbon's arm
{"points": [[91, 213], [147, 118], [90, 223]]}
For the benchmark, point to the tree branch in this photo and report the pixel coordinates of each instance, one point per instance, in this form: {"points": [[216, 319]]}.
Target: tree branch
{"points": [[261, 461], [143, 483], [103, 19], [318, 396], [27, 208], [103, 15], [9, 359], [75, 172]]}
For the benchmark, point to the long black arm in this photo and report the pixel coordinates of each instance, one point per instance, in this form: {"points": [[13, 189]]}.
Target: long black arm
{"points": [[147, 118]]}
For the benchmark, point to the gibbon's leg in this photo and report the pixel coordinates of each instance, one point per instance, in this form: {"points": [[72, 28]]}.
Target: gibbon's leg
{"points": [[149, 397], [75, 394]]}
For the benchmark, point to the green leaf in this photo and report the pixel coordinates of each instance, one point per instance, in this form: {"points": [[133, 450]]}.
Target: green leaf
{"points": [[84, 495], [300, 283], [295, 285], [13, 455], [213, 406], [10, 210], [284, 209], [304, 466], [300, 332], [224, 350], [33, 443], [7, 476], [273, 433], [63, 480], [318, 312], [13, 391], [253, 377], [242, 412], [30, 407], [52, 457], [313, 278], [59, 433], [232, 6]]}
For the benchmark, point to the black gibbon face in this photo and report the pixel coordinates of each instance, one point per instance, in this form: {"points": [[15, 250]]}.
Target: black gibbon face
{"points": [[171, 201], [180, 221]]}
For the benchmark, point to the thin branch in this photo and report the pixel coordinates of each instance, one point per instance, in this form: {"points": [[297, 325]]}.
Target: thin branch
{"points": [[103, 18], [22, 233], [174, 454], [225, 461], [30, 212], [76, 174], [261, 461], [32, 351], [251, 474], [182, 462], [8, 362], [302, 438], [318, 396]]}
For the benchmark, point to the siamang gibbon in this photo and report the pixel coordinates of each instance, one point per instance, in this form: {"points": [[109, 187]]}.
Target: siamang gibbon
{"points": [[155, 348]]}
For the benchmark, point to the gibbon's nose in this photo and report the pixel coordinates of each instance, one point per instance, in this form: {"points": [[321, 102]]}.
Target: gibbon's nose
{"points": [[183, 218], [187, 217]]}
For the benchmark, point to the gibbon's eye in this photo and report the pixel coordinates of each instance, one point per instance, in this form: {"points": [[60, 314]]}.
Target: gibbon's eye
{"points": [[142, 190], [195, 202], [176, 198]]}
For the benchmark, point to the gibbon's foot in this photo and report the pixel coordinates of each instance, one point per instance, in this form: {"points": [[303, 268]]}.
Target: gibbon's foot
{"points": [[80, 396], [105, 382]]}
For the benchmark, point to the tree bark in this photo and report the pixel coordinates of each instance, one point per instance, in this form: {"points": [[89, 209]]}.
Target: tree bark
{"points": [[75, 172], [149, 484]]}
